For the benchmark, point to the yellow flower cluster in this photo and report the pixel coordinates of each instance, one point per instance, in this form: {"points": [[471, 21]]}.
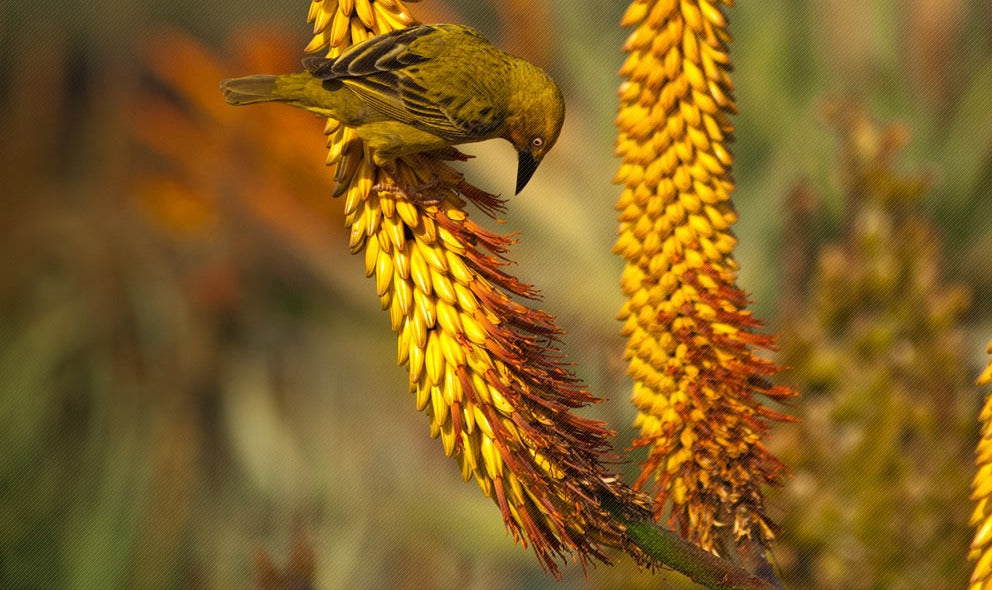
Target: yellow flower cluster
{"points": [[981, 545], [690, 341], [481, 365]]}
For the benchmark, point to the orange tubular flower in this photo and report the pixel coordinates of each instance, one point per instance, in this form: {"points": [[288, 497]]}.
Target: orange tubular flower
{"points": [[690, 341], [482, 366], [981, 546]]}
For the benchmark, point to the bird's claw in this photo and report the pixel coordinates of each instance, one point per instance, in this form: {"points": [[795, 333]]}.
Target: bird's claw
{"points": [[417, 194]]}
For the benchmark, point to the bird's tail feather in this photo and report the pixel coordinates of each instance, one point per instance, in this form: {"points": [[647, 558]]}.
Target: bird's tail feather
{"points": [[250, 89]]}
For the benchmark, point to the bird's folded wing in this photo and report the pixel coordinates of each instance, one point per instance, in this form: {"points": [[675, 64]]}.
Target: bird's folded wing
{"points": [[394, 72]]}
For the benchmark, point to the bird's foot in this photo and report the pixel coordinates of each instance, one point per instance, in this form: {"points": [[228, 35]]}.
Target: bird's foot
{"points": [[423, 195]]}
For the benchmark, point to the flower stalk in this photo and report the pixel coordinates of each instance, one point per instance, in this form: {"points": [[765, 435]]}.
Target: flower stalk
{"points": [[691, 342]]}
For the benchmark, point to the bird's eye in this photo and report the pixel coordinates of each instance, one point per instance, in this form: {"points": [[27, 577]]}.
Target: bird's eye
{"points": [[537, 142]]}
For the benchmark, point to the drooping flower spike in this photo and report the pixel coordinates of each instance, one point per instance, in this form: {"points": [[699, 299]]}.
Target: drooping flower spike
{"points": [[483, 366]]}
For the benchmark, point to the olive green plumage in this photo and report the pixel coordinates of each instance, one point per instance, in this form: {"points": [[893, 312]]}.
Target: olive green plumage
{"points": [[421, 89]]}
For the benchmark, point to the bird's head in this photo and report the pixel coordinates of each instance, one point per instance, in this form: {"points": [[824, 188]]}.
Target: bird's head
{"points": [[534, 120]]}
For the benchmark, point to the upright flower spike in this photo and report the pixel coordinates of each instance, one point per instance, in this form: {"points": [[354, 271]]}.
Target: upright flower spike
{"points": [[690, 342], [482, 366], [981, 518]]}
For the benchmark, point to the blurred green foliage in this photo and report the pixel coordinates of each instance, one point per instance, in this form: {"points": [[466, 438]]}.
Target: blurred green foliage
{"points": [[195, 377], [874, 335]]}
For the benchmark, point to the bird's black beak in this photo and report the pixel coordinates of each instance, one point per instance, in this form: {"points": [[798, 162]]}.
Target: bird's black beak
{"points": [[526, 165]]}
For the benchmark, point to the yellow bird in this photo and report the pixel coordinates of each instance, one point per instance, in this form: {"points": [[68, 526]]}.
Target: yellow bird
{"points": [[422, 89]]}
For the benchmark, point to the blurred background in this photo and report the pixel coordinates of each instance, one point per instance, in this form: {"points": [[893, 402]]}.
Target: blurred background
{"points": [[197, 386]]}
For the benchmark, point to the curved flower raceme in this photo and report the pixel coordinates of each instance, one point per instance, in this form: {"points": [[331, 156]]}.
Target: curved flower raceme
{"points": [[482, 366], [981, 545], [690, 341]]}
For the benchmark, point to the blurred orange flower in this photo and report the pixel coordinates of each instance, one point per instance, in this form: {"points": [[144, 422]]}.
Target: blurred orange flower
{"points": [[206, 158]]}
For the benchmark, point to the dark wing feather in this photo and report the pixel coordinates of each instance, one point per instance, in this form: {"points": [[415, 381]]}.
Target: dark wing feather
{"points": [[383, 69], [367, 58], [445, 110]]}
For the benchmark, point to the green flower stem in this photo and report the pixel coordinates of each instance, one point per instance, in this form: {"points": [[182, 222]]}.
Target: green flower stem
{"points": [[701, 566]]}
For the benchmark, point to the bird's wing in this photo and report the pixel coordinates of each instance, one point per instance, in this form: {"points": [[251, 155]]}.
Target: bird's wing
{"points": [[392, 72]]}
